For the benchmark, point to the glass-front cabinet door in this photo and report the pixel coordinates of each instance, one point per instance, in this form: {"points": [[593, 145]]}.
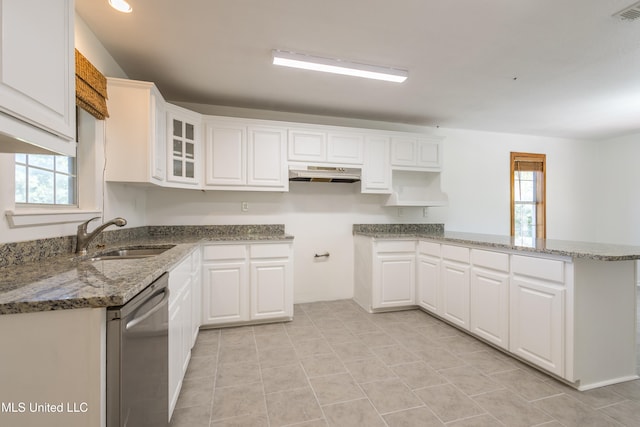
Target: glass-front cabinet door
{"points": [[183, 153]]}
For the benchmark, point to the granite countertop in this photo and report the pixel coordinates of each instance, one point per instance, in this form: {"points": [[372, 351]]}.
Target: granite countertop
{"points": [[567, 248], [67, 281]]}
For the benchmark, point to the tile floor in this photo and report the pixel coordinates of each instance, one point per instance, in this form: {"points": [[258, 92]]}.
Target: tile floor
{"points": [[337, 365]]}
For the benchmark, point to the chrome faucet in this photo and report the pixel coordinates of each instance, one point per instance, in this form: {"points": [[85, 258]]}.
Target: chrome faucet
{"points": [[83, 239]]}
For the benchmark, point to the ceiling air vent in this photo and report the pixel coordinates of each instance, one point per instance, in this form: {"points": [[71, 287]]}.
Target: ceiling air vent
{"points": [[630, 13]]}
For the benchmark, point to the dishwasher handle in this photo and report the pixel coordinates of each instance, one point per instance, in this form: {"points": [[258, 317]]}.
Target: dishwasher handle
{"points": [[155, 308]]}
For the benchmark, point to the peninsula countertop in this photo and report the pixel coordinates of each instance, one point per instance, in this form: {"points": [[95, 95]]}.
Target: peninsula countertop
{"points": [[67, 281], [567, 248]]}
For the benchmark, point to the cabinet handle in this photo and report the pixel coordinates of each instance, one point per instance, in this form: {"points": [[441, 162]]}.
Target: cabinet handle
{"points": [[324, 255]]}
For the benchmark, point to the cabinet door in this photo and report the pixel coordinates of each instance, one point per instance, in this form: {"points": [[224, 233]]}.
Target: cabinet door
{"points": [[307, 145], [271, 290], [175, 353], [225, 293], [489, 305], [394, 281], [455, 292], [186, 325], [158, 137], [428, 282], [376, 170], [404, 151], [184, 146], [537, 322], [225, 157], [266, 155], [37, 64], [428, 154], [345, 148]]}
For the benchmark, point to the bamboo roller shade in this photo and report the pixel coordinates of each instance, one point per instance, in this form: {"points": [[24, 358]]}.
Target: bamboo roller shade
{"points": [[91, 88]]}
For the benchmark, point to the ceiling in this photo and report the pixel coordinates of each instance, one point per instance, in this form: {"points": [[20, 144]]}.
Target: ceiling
{"points": [[545, 67]]}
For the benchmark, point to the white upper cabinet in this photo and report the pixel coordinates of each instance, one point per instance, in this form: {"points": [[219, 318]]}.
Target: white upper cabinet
{"points": [[183, 145], [320, 146], [376, 169], [416, 153], [241, 155], [135, 133], [37, 74]]}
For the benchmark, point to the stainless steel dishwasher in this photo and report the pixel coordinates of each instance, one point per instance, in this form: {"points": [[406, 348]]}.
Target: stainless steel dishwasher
{"points": [[137, 359]]}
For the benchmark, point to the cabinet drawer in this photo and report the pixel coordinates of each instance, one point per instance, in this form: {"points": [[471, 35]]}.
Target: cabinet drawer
{"points": [[429, 248], [396, 246], [219, 252], [541, 268], [455, 253], [494, 260], [271, 250]]}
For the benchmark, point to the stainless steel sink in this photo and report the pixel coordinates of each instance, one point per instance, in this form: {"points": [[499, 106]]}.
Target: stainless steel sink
{"points": [[132, 253]]}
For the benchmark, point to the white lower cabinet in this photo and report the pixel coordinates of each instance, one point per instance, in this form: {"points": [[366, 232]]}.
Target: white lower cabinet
{"points": [[489, 296], [537, 321], [181, 323], [428, 282], [246, 282], [454, 285]]}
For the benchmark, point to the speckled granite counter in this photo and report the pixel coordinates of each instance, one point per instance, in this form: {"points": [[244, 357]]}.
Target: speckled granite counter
{"points": [[42, 280], [572, 249]]}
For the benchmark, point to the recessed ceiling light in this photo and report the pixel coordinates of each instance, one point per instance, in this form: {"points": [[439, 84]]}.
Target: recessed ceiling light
{"points": [[338, 66], [121, 6]]}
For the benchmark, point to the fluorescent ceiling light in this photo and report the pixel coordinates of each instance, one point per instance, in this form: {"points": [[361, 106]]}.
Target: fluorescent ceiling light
{"points": [[121, 6], [338, 66]]}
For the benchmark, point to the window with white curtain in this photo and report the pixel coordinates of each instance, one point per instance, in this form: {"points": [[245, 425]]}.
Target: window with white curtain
{"points": [[528, 213]]}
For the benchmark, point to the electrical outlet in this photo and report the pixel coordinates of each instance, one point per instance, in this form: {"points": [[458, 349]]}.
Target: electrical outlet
{"points": [[244, 206]]}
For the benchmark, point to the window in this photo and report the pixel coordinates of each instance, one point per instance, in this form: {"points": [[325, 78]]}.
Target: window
{"points": [[528, 215], [45, 180]]}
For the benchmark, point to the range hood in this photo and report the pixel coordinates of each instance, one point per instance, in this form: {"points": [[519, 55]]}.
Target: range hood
{"points": [[323, 174]]}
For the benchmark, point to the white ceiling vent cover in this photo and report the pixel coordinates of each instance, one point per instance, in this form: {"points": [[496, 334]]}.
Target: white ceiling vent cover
{"points": [[630, 13]]}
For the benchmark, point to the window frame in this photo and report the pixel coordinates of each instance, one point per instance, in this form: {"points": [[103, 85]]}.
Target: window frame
{"points": [[28, 166], [530, 161]]}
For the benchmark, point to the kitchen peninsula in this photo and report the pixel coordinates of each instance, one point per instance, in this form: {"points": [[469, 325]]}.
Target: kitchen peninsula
{"points": [[568, 308]]}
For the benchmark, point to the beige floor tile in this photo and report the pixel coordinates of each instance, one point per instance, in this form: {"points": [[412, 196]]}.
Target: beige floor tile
{"points": [[282, 378], [376, 339], [626, 413], [207, 348], [238, 401], [629, 389], [303, 333], [232, 374], [596, 398], [275, 340], [357, 413], [461, 344], [448, 403], [312, 347], [195, 416], [481, 421], [231, 337], [390, 396], [394, 355], [487, 362], [511, 409], [313, 423], [334, 336], [243, 421], [200, 367], [361, 326], [439, 358], [416, 417], [195, 392], [367, 370], [328, 323], [335, 388], [530, 387], [349, 351], [272, 357], [292, 406], [237, 354], [572, 413], [418, 375], [322, 364], [469, 380], [269, 328]]}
